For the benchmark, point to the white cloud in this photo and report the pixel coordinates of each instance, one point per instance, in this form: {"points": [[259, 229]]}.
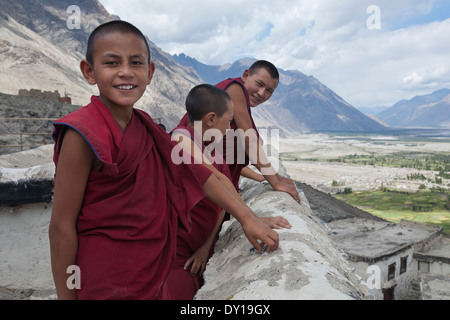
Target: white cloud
{"points": [[327, 39], [428, 78], [373, 68]]}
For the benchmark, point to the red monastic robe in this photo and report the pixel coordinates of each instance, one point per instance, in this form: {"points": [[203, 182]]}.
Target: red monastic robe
{"points": [[179, 284], [234, 164], [131, 210]]}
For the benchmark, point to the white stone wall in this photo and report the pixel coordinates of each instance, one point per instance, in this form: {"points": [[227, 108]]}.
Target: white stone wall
{"points": [[24, 247], [375, 275], [433, 265], [307, 265], [24, 243]]}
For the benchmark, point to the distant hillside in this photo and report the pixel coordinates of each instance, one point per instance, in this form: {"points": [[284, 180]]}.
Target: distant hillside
{"points": [[39, 51], [427, 111], [373, 110], [301, 103]]}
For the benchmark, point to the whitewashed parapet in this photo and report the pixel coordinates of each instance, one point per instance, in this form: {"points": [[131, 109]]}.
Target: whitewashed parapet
{"points": [[306, 266], [26, 177], [26, 185]]}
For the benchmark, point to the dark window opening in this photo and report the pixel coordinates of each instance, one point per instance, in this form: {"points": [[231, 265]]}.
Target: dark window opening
{"points": [[391, 271], [389, 294], [403, 264]]}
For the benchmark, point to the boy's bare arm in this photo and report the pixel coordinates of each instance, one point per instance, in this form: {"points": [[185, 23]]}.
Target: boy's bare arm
{"points": [[189, 146], [250, 174], [74, 164], [253, 147], [199, 259], [253, 227]]}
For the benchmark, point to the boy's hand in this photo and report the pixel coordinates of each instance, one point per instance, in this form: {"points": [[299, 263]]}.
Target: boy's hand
{"points": [[283, 184], [288, 188], [276, 222], [287, 180], [255, 230], [197, 261]]}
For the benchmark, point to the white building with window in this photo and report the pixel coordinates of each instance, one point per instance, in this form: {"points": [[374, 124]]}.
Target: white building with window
{"points": [[431, 269], [382, 253]]}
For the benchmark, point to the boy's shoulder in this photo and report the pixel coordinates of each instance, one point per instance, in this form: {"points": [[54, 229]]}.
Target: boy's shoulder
{"points": [[94, 126], [84, 113], [228, 82]]}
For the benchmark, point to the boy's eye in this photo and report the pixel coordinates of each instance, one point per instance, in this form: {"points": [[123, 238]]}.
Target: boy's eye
{"points": [[260, 84]]}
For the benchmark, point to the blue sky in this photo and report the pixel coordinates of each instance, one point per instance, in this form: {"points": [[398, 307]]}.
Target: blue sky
{"points": [[423, 12], [328, 39]]}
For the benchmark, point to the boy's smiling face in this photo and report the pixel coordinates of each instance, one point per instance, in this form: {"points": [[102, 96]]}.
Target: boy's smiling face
{"points": [[120, 69], [260, 86]]}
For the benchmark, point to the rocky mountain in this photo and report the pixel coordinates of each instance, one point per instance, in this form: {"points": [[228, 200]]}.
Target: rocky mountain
{"points": [[426, 111], [40, 49], [301, 103]]}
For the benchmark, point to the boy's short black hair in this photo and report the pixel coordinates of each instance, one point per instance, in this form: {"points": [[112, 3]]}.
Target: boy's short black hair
{"points": [[113, 26], [270, 68], [206, 98]]}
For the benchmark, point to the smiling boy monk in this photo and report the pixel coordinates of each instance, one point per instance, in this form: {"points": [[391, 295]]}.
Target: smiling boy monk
{"points": [[118, 197]]}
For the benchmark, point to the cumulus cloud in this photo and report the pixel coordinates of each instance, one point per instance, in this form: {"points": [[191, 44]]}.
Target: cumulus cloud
{"points": [[429, 78], [327, 39]]}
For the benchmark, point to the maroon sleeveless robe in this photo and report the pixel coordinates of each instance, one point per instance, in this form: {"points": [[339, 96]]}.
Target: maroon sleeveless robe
{"points": [[131, 210]]}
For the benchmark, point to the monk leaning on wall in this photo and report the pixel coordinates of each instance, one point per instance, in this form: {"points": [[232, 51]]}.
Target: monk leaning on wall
{"points": [[256, 86], [118, 196], [210, 111]]}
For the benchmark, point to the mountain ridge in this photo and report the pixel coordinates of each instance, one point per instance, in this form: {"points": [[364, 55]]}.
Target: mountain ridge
{"points": [[301, 103], [39, 51], [422, 111]]}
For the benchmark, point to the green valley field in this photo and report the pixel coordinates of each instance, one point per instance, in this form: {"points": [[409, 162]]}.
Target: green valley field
{"points": [[431, 207], [398, 176]]}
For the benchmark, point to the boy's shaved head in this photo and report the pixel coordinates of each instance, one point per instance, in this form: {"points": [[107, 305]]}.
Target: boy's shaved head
{"points": [[111, 27], [206, 98], [268, 66]]}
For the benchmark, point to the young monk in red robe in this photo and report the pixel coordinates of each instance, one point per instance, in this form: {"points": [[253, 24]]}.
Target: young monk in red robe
{"points": [[210, 111], [118, 197], [255, 87]]}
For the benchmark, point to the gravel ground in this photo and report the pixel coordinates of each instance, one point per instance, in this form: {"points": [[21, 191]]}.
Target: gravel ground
{"points": [[26, 294]]}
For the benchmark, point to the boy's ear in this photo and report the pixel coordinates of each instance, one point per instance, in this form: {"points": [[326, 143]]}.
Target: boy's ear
{"points": [[151, 72], [245, 75], [88, 72], [210, 118]]}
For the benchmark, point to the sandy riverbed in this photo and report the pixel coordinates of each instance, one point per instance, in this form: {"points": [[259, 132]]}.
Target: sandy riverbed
{"points": [[321, 173]]}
